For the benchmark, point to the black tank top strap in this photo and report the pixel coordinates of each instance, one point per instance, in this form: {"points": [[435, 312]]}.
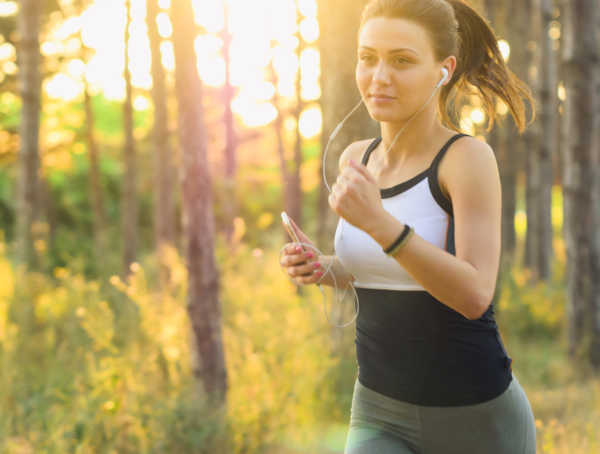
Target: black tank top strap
{"points": [[372, 146], [434, 185]]}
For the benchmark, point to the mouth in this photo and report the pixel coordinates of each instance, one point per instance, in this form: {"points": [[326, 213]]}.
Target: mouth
{"points": [[380, 96]]}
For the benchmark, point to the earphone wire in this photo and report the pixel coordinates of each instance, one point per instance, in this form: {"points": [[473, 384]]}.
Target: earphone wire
{"points": [[344, 222]]}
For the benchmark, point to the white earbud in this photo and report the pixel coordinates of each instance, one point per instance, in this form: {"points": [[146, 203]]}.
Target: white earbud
{"points": [[445, 71]]}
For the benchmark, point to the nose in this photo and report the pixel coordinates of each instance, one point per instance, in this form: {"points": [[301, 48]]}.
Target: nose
{"points": [[381, 76]]}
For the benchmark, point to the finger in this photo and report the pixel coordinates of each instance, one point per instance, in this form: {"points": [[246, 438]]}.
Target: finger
{"points": [[295, 259], [291, 249], [314, 277], [362, 169], [303, 270]]}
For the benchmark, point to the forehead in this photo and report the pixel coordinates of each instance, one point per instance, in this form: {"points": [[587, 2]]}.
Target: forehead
{"points": [[384, 34]]}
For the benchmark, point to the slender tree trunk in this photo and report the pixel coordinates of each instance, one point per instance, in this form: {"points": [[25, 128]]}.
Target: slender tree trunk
{"points": [[28, 24], [516, 145], [540, 170], [164, 228], [198, 221], [580, 180], [129, 206], [95, 176], [295, 183], [231, 139]]}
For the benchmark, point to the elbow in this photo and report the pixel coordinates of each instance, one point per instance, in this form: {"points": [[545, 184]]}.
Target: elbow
{"points": [[478, 308]]}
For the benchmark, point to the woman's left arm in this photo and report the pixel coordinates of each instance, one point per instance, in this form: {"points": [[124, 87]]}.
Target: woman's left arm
{"points": [[464, 282]]}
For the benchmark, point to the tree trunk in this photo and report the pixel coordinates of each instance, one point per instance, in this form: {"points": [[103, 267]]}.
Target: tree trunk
{"points": [[231, 139], [129, 202], [540, 170], [295, 200], [28, 24], [516, 145], [580, 180], [164, 227], [198, 221]]}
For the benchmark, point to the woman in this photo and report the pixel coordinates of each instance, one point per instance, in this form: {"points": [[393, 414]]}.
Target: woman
{"points": [[422, 244]]}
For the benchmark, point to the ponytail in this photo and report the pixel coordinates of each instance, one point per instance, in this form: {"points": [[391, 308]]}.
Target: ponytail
{"points": [[482, 67], [457, 29]]}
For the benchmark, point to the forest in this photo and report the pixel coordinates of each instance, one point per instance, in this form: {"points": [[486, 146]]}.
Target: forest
{"points": [[148, 148]]}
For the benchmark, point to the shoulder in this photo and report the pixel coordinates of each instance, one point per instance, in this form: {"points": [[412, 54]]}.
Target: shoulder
{"points": [[466, 160], [356, 151]]}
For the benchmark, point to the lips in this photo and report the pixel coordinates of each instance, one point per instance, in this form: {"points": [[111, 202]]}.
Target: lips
{"points": [[381, 95]]}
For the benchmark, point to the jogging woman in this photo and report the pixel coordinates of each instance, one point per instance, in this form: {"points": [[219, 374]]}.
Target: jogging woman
{"points": [[422, 240]]}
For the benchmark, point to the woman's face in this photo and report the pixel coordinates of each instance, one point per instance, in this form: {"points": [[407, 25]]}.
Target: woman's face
{"points": [[396, 59]]}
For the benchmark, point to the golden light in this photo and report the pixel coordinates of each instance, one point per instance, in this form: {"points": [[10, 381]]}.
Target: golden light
{"points": [[554, 33], [309, 30], [76, 68], [140, 103], [262, 91], [212, 71], [211, 14], [264, 114], [477, 115], [167, 55], [308, 8], [62, 86], [285, 62], [311, 122], [165, 29], [501, 107], [504, 49], [562, 92], [8, 9], [286, 88], [7, 52]]}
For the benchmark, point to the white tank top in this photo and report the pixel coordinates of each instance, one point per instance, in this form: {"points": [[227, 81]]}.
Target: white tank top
{"points": [[418, 202]]}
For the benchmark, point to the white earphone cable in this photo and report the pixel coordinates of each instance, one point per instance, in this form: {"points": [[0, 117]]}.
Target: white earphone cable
{"points": [[445, 71]]}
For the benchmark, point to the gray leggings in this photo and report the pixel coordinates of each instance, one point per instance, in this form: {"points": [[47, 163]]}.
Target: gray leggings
{"points": [[382, 425]]}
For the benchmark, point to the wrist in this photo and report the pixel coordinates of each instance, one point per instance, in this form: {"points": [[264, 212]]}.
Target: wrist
{"points": [[385, 229]]}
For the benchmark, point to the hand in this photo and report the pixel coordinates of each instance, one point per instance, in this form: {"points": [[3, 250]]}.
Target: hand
{"points": [[297, 262], [356, 197]]}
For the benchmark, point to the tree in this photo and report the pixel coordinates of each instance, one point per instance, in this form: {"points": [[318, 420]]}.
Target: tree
{"points": [[30, 85], [580, 180], [231, 138], [197, 203], [129, 202], [163, 165], [540, 175]]}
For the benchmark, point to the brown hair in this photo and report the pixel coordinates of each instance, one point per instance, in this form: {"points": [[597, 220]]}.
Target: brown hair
{"points": [[457, 29]]}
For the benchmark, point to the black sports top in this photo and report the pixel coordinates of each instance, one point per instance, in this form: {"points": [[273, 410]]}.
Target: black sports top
{"points": [[409, 345]]}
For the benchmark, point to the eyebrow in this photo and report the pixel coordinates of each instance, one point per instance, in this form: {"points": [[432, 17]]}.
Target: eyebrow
{"points": [[394, 51]]}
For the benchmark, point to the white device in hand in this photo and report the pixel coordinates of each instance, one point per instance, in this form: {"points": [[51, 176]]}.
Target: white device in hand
{"points": [[289, 228]]}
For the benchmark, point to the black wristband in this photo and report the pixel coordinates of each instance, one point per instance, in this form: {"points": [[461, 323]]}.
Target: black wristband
{"points": [[399, 239]]}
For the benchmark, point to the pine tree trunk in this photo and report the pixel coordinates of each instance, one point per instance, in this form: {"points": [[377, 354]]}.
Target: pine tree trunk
{"points": [[231, 138], [28, 24], [580, 180], [164, 228], [129, 202], [198, 221]]}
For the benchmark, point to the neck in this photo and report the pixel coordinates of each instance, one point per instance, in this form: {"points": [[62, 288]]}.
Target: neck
{"points": [[412, 140]]}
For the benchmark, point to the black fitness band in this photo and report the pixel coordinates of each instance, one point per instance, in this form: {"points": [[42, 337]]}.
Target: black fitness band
{"points": [[399, 239]]}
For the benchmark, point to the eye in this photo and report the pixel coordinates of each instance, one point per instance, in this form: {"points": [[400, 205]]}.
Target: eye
{"points": [[366, 56], [401, 58]]}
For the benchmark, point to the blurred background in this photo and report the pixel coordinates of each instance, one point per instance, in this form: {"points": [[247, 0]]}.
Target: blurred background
{"points": [[147, 148]]}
